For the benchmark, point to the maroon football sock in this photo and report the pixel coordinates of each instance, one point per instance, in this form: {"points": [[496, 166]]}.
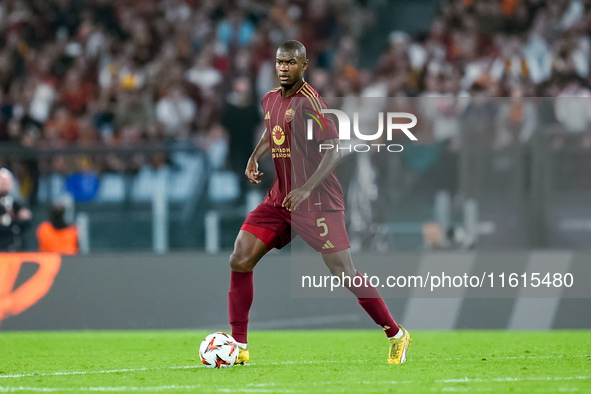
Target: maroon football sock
{"points": [[239, 302], [370, 300]]}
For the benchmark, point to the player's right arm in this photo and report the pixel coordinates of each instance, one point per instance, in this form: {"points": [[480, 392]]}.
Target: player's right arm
{"points": [[252, 168]]}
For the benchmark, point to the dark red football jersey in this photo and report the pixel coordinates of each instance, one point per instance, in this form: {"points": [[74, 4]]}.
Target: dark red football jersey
{"points": [[295, 157]]}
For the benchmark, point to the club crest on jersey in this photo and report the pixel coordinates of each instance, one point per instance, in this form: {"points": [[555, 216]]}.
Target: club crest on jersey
{"points": [[289, 115], [278, 135]]}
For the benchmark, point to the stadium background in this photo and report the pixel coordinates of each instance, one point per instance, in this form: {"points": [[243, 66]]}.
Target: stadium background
{"points": [[140, 116]]}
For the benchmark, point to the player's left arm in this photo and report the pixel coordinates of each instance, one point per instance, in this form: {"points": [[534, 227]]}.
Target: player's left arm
{"points": [[329, 162]]}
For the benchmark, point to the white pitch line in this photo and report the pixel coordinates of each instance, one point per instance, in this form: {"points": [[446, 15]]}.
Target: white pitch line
{"points": [[257, 388], [467, 380], [66, 373], [136, 389], [471, 380], [511, 379], [143, 369]]}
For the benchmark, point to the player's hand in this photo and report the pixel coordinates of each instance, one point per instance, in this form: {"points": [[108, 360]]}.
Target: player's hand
{"points": [[252, 171], [295, 198]]}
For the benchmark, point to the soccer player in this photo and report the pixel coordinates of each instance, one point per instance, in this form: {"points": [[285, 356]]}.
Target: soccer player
{"points": [[312, 206]]}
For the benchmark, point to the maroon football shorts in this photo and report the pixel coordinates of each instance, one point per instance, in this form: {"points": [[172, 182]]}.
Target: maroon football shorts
{"points": [[324, 231]]}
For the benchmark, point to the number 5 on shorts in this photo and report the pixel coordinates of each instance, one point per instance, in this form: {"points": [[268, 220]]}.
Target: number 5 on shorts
{"points": [[320, 223]]}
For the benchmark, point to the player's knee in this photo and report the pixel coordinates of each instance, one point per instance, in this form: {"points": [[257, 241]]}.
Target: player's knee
{"points": [[241, 263]]}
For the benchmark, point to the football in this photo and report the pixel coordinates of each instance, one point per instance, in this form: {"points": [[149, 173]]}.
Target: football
{"points": [[218, 350]]}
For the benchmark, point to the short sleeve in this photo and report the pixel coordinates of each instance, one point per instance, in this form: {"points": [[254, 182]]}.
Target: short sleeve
{"points": [[323, 126]]}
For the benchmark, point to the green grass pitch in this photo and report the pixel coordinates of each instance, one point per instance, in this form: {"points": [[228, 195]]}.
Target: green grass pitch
{"points": [[346, 361]]}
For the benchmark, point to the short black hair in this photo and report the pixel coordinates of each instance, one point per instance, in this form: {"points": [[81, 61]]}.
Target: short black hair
{"points": [[294, 46], [57, 213]]}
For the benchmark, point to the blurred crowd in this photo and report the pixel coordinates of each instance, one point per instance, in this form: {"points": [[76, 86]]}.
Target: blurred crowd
{"points": [[121, 73]]}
